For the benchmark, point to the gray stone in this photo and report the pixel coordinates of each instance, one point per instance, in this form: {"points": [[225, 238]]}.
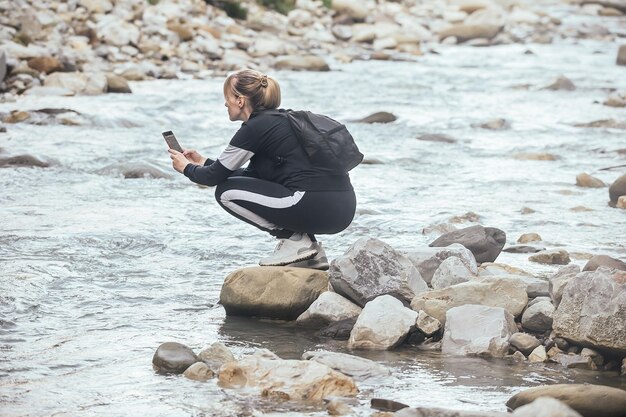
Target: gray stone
{"points": [[574, 360], [360, 369], [538, 317], [605, 261], [621, 55], [216, 355], [477, 330], [134, 170], [592, 312], [378, 117], [538, 354], [523, 249], [329, 307], [371, 268], [558, 281], [272, 292], [427, 324], [437, 137], [525, 342], [587, 181], [3, 66], [340, 330], [199, 371], [23, 161], [485, 243], [529, 237], [553, 257], [173, 357], [561, 83], [428, 259], [451, 271], [587, 399], [545, 407]]}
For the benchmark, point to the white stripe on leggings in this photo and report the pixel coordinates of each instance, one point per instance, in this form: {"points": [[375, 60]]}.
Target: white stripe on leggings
{"points": [[227, 198]]}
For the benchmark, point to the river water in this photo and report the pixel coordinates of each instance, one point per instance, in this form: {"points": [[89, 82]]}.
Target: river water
{"points": [[98, 270]]}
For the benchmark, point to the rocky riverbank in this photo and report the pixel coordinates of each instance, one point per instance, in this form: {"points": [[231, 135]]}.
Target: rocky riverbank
{"points": [[53, 47]]}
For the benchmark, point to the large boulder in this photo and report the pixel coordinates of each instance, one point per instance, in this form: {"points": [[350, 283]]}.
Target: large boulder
{"points": [[558, 281], [489, 291], [286, 379], [371, 268], [383, 324], [605, 261], [428, 259], [360, 369], [272, 292], [587, 399], [78, 82], [329, 307], [592, 311], [173, 357], [617, 189], [478, 330], [485, 243]]}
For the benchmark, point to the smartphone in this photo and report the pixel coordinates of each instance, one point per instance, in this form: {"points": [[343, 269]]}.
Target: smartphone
{"points": [[171, 141]]}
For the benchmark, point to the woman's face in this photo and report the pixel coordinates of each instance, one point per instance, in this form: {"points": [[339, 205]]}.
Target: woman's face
{"points": [[234, 104]]}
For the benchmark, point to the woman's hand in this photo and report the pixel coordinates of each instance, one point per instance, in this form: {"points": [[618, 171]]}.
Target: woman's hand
{"points": [[194, 156], [179, 161]]}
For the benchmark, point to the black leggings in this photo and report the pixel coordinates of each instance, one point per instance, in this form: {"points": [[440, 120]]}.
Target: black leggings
{"points": [[280, 211]]}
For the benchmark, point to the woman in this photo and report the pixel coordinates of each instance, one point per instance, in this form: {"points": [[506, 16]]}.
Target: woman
{"points": [[280, 191]]}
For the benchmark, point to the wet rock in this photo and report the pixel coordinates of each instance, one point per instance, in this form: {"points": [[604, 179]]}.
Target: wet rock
{"points": [[23, 161], [378, 117], [529, 237], [538, 317], [616, 100], [370, 268], [338, 407], [485, 243], [451, 271], [340, 330], [427, 260], [591, 312], [524, 342], [216, 355], [173, 357], [132, 170], [45, 64], [427, 324], [538, 355], [586, 180], [595, 356], [506, 293], [286, 379], [604, 123], [605, 261], [558, 281], [360, 369], [621, 55], [437, 137], [438, 228], [561, 83], [386, 405], [587, 399], [272, 292], [3, 66], [301, 63], [553, 257], [535, 156], [16, 116], [199, 371], [328, 308], [572, 360], [477, 330], [621, 202], [545, 407], [117, 84], [523, 249], [617, 188], [526, 210], [78, 82], [383, 324], [494, 124], [443, 412]]}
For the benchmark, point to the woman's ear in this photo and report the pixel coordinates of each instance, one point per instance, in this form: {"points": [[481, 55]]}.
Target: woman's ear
{"points": [[241, 101]]}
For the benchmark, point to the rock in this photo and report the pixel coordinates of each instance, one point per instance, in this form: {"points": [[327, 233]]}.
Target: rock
{"points": [[199, 371], [45, 64], [78, 82], [428, 259], [272, 292], [517, 356], [48, 91], [525, 342], [587, 399], [360, 369], [286, 379], [554, 257], [383, 324], [115, 31], [526, 210], [489, 291], [354, 9], [523, 249], [595, 356], [529, 237], [586, 180], [464, 32], [328, 308], [16, 116], [558, 281], [117, 84], [538, 317], [485, 243], [301, 63], [437, 137], [545, 407], [442, 412], [617, 188], [264, 46], [216, 355], [561, 83], [538, 355], [338, 407], [467, 217], [340, 330], [23, 161], [173, 358], [130, 170], [451, 271], [386, 405], [96, 6], [427, 324], [530, 156], [621, 202], [572, 360], [494, 124], [604, 123], [592, 313], [616, 100], [3, 66], [621, 55], [378, 117], [606, 261], [370, 268], [477, 330]]}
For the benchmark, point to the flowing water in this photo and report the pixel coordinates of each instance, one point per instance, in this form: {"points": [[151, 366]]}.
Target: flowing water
{"points": [[97, 270]]}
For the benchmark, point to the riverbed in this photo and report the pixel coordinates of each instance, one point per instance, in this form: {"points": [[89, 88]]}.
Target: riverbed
{"points": [[97, 270]]}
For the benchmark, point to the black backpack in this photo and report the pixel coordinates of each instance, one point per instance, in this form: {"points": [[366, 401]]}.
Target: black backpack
{"points": [[327, 143]]}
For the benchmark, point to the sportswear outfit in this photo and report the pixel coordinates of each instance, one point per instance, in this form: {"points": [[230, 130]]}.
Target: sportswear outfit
{"points": [[280, 191]]}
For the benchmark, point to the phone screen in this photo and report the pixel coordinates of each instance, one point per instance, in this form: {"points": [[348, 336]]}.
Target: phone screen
{"points": [[171, 141]]}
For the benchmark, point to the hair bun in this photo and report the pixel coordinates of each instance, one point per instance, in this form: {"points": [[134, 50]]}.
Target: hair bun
{"points": [[263, 80]]}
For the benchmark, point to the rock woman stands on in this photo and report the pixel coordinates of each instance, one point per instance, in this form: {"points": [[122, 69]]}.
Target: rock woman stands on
{"points": [[280, 191]]}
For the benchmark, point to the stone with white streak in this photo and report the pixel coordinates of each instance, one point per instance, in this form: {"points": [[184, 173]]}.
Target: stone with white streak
{"points": [[329, 307], [383, 324], [477, 330]]}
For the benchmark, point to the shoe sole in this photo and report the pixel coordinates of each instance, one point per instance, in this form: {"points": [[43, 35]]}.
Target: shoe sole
{"points": [[306, 255], [312, 263]]}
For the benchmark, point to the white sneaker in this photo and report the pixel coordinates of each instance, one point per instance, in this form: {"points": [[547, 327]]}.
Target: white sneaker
{"points": [[298, 247], [319, 261]]}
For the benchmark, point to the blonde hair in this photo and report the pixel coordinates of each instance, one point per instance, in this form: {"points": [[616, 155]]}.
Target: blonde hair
{"points": [[262, 92]]}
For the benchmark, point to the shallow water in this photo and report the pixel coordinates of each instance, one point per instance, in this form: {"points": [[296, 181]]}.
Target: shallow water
{"points": [[98, 270]]}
